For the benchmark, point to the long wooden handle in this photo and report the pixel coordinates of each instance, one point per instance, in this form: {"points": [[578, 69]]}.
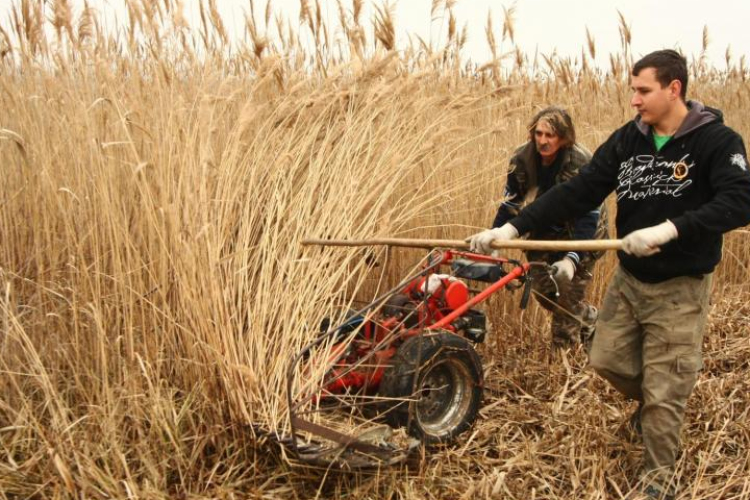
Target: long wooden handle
{"points": [[543, 245]]}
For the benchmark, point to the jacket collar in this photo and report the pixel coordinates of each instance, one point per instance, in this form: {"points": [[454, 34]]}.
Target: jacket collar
{"points": [[698, 115]]}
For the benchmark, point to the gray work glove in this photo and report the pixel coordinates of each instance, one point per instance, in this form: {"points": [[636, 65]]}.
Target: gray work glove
{"points": [[646, 241], [480, 242], [565, 268]]}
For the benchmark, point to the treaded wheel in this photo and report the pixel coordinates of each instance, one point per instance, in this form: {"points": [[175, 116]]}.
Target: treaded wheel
{"points": [[434, 384]]}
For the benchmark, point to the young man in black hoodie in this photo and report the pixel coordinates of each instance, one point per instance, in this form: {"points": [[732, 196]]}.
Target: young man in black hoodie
{"points": [[681, 180]]}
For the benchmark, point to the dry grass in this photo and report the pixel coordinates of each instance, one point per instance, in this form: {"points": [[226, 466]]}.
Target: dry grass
{"points": [[156, 186]]}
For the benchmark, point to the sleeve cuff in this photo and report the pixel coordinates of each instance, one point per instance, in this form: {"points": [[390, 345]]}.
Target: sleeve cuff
{"points": [[680, 223], [575, 257], [521, 226]]}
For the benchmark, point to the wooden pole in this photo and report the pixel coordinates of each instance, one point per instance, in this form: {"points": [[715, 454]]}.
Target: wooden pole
{"points": [[541, 245]]}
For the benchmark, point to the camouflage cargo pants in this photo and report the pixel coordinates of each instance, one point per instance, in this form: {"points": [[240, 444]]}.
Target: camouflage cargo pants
{"points": [[648, 346], [572, 317]]}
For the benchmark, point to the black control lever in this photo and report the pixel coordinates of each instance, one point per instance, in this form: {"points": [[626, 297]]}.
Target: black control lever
{"points": [[526, 292]]}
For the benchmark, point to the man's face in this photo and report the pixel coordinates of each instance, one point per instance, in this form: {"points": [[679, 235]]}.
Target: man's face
{"points": [[548, 143], [652, 101]]}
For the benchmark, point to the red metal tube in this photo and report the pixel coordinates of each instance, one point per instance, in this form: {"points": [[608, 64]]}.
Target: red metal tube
{"points": [[517, 272]]}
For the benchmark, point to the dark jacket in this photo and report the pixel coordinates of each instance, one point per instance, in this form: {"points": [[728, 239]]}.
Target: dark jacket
{"points": [[523, 185], [699, 180]]}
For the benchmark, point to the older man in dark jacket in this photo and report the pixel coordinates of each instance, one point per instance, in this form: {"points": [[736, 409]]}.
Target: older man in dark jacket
{"points": [[550, 157]]}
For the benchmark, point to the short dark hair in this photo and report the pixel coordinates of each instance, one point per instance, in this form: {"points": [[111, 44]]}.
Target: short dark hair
{"points": [[669, 65], [559, 121]]}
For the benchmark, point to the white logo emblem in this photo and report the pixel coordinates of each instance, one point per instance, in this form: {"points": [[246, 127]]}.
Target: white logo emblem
{"points": [[739, 160], [645, 176]]}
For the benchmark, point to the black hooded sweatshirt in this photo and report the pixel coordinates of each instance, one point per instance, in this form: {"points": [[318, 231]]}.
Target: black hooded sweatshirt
{"points": [[699, 180]]}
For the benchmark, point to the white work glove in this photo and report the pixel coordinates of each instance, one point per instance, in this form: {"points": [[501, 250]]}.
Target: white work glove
{"points": [[646, 241], [480, 242], [565, 268]]}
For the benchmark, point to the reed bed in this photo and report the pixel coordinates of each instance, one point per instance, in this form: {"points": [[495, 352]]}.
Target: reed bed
{"points": [[157, 183]]}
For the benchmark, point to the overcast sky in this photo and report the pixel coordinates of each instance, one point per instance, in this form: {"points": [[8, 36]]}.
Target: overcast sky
{"points": [[545, 25], [557, 24]]}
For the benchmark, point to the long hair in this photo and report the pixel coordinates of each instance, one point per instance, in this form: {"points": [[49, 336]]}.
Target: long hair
{"points": [[559, 121]]}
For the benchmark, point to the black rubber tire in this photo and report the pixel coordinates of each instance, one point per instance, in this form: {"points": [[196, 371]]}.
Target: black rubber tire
{"points": [[445, 373]]}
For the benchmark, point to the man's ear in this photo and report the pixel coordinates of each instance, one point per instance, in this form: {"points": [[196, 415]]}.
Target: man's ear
{"points": [[675, 89]]}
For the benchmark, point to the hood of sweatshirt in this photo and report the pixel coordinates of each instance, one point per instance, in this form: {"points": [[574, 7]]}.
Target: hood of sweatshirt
{"points": [[698, 115]]}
